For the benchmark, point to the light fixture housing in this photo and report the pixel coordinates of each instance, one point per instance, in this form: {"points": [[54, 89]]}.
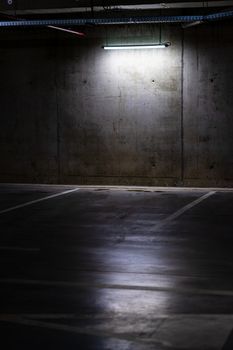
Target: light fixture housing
{"points": [[137, 46]]}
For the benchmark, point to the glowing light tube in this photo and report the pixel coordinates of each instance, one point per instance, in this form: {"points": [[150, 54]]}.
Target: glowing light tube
{"points": [[136, 47]]}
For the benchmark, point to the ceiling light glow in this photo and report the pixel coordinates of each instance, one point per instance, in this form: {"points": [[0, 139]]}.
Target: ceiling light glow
{"points": [[137, 47]]}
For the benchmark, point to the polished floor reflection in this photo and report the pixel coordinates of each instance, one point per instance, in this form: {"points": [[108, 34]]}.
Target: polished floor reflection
{"points": [[113, 268]]}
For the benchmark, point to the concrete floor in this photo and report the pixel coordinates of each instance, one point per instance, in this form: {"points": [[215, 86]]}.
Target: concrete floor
{"points": [[115, 268]]}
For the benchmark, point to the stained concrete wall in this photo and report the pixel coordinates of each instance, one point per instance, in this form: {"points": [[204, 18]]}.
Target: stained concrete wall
{"points": [[208, 105], [74, 113]]}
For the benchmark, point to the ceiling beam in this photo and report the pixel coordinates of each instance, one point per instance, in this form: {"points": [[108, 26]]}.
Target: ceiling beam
{"points": [[57, 4], [142, 6]]}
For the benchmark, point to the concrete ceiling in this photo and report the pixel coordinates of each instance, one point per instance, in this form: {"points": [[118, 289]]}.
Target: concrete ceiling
{"points": [[66, 6], [49, 9], [107, 11]]}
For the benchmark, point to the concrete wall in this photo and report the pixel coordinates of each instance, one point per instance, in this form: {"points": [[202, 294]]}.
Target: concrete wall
{"points": [[208, 105], [74, 113]]}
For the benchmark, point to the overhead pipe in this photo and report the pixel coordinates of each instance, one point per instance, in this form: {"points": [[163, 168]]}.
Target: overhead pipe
{"points": [[219, 15], [110, 21], [49, 26]]}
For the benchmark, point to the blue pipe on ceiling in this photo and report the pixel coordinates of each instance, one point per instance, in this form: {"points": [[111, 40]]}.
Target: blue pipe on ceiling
{"points": [[127, 20], [218, 16]]}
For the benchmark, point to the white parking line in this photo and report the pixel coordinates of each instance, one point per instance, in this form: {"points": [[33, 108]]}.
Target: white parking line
{"points": [[37, 201], [181, 211]]}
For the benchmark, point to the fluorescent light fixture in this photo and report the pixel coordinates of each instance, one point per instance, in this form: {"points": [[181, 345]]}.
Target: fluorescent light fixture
{"points": [[137, 47]]}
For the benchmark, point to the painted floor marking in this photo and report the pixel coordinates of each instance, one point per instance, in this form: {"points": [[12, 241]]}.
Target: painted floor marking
{"points": [[184, 209], [20, 249], [179, 290], [156, 188], [38, 200]]}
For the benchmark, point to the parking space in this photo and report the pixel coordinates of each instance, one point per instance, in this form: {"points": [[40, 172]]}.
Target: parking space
{"points": [[115, 268]]}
